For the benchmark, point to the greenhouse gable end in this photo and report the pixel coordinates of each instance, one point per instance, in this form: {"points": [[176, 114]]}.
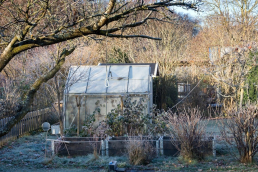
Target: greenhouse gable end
{"points": [[100, 89]]}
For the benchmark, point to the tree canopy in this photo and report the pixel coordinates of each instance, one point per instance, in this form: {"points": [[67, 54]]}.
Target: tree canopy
{"points": [[36, 23]]}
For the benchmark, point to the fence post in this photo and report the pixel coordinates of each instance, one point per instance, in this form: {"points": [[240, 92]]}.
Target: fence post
{"points": [[106, 140], [214, 146], [161, 145], [102, 147], [157, 146]]}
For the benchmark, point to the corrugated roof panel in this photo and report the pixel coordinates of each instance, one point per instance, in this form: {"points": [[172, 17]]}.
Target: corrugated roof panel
{"points": [[97, 86], [117, 86], [98, 72], [78, 73], [78, 78], [91, 79], [119, 71], [78, 87], [139, 72], [138, 86], [154, 66]]}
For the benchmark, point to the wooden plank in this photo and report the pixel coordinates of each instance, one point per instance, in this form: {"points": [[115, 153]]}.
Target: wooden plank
{"points": [[26, 125], [30, 122], [42, 113], [33, 121], [4, 138], [9, 133], [19, 126], [23, 126], [37, 119], [12, 136], [15, 131], [1, 138]]}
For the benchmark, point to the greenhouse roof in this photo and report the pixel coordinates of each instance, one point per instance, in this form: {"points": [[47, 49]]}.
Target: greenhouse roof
{"points": [[109, 79], [154, 66]]}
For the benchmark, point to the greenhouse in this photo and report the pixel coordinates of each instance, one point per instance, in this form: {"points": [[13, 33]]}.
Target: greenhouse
{"points": [[99, 89]]}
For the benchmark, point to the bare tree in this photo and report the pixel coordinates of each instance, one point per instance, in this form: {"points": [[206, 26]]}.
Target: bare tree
{"points": [[235, 16], [25, 105], [30, 24]]}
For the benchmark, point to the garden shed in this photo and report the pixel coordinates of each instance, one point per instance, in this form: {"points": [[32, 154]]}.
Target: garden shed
{"points": [[99, 89]]}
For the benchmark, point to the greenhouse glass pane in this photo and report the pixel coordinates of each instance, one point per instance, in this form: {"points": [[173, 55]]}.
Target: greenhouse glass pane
{"points": [[98, 72], [79, 87], [117, 86], [78, 73], [119, 71], [139, 72], [97, 86], [138, 86]]}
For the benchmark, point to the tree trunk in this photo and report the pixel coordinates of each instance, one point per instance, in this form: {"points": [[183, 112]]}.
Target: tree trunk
{"points": [[246, 158], [59, 107]]}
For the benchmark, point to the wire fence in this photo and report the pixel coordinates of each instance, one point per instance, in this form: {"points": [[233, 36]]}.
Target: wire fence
{"points": [[30, 122], [117, 146]]}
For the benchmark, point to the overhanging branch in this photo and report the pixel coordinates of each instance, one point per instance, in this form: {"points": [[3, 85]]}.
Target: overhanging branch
{"points": [[132, 36]]}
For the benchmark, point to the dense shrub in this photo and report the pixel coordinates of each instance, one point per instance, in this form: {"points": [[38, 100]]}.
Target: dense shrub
{"points": [[139, 151], [187, 131], [240, 131]]}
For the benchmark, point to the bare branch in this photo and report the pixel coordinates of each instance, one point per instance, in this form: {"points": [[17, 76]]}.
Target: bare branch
{"points": [[132, 36], [25, 107]]}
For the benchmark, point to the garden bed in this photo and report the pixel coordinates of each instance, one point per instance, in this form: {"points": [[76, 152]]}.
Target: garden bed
{"points": [[78, 146], [206, 147], [28, 154], [116, 146]]}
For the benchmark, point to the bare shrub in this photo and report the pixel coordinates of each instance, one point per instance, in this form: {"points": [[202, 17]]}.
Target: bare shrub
{"points": [[139, 151], [187, 131], [95, 149], [240, 131], [11, 99]]}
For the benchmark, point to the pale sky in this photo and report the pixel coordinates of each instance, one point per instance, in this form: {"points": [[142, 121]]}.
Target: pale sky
{"points": [[190, 13]]}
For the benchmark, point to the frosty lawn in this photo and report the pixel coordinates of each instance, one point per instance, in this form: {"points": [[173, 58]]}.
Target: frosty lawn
{"points": [[28, 154]]}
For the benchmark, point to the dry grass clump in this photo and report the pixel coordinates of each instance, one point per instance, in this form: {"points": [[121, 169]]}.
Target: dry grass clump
{"points": [[140, 151]]}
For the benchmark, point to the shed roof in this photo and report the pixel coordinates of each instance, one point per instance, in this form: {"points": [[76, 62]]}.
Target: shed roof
{"points": [[154, 66], [110, 79]]}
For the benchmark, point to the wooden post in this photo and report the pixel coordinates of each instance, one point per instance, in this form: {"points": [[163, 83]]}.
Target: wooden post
{"points": [[1, 138]]}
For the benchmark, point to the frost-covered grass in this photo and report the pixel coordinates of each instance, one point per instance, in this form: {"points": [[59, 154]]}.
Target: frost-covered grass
{"points": [[28, 154]]}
